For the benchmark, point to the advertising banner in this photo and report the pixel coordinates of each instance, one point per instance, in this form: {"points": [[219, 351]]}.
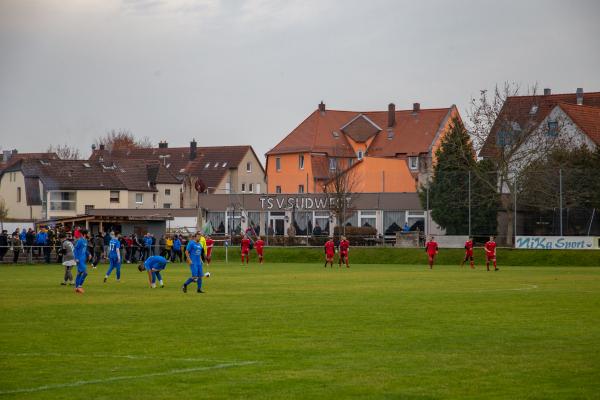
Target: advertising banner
{"points": [[557, 242]]}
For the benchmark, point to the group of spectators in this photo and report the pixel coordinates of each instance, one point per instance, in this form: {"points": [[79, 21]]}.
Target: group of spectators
{"points": [[45, 244]]}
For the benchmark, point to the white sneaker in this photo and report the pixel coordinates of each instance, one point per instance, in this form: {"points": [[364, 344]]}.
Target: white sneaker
{"points": [[162, 284], [153, 286]]}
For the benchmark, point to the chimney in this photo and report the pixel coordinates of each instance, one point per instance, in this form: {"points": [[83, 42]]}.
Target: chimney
{"points": [[579, 94], [322, 107], [6, 156], [416, 107], [193, 148], [163, 144], [15, 151], [547, 92], [391, 115], [102, 147]]}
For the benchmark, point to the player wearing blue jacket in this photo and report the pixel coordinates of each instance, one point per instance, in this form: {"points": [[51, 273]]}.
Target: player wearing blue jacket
{"points": [[154, 265], [114, 257], [147, 245], [81, 256], [195, 257]]}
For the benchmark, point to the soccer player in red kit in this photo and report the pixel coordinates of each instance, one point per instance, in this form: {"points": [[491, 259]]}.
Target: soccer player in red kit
{"points": [[431, 248], [490, 253], [209, 247], [469, 253], [246, 249], [259, 246], [344, 247], [329, 252]]}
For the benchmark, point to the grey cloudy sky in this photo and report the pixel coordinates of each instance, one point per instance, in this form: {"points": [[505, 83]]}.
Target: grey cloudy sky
{"points": [[249, 71]]}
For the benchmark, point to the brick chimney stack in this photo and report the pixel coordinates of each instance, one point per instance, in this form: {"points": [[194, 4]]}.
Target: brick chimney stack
{"points": [[579, 94], [547, 92], [322, 107], [416, 107], [391, 115], [193, 149]]}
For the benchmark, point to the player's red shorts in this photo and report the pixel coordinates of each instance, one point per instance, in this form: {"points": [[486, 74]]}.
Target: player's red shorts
{"points": [[329, 255], [469, 254], [490, 256], [245, 252], [259, 252], [343, 254], [431, 255]]}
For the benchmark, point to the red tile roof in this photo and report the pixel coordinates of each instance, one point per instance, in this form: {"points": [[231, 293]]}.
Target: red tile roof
{"points": [[587, 118], [413, 133], [518, 109], [211, 163], [16, 157]]}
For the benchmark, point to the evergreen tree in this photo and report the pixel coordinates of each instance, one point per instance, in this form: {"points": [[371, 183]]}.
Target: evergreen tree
{"points": [[449, 187]]}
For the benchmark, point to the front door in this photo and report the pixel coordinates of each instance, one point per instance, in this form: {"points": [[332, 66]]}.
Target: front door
{"points": [[279, 227]]}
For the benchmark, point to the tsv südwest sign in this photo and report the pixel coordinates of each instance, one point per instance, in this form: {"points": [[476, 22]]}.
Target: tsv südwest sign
{"points": [[300, 203], [557, 242]]}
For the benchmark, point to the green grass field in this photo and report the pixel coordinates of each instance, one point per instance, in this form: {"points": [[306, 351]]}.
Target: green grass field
{"points": [[282, 331]]}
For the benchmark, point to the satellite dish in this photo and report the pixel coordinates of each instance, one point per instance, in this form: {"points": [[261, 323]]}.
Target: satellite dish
{"points": [[200, 186]]}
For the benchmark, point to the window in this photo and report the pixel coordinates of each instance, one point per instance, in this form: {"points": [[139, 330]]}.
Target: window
{"points": [[321, 224], [359, 155], [217, 164], [534, 109], [277, 189], [393, 221], [217, 220], [243, 187], [250, 188], [139, 198], [248, 166], [88, 207], [552, 128], [367, 218], [301, 161], [154, 197], [167, 192], [413, 163], [278, 164], [300, 188], [228, 187], [258, 188], [18, 194], [332, 164], [167, 205], [335, 134], [207, 165], [390, 135], [115, 196], [224, 164], [63, 201]]}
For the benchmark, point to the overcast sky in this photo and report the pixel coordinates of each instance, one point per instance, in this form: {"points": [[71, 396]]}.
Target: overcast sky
{"points": [[249, 71]]}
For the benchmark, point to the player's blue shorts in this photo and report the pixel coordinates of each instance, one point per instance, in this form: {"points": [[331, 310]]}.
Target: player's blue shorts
{"points": [[196, 269], [81, 266]]}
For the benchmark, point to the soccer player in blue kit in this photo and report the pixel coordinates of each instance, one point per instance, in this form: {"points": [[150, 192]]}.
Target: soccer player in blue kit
{"points": [[114, 257], [195, 256], [81, 256], [154, 264]]}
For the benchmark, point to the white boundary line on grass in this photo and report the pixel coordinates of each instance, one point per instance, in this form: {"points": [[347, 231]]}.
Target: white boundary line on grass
{"points": [[98, 355], [126, 377]]}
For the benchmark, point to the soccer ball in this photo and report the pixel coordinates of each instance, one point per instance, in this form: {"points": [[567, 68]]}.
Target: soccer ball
{"points": [[207, 275]]}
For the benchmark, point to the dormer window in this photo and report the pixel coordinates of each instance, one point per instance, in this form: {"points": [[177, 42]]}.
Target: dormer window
{"points": [[390, 135], [413, 163], [332, 164], [533, 110], [207, 165], [335, 134], [359, 155]]}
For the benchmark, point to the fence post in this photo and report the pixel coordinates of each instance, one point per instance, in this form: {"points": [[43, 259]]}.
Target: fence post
{"points": [[515, 211], [560, 199], [469, 203]]}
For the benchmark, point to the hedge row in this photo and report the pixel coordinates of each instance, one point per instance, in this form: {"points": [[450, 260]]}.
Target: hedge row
{"points": [[390, 255]]}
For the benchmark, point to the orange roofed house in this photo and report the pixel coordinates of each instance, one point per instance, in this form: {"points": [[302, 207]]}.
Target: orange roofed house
{"points": [[387, 151]]}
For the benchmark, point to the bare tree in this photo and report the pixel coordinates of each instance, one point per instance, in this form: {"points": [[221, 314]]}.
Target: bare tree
{"points": [[339, 189], [64, 152], [122, 140], [505, 128], [3, 213]]}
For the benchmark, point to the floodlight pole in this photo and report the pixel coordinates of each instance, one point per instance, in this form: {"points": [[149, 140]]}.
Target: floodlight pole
{"points": [[560, 200], [469, 203], [427, 211], [515, 211]]}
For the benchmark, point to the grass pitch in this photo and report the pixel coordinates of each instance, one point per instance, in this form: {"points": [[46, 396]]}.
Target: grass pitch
{"points": [[302, 331]]}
